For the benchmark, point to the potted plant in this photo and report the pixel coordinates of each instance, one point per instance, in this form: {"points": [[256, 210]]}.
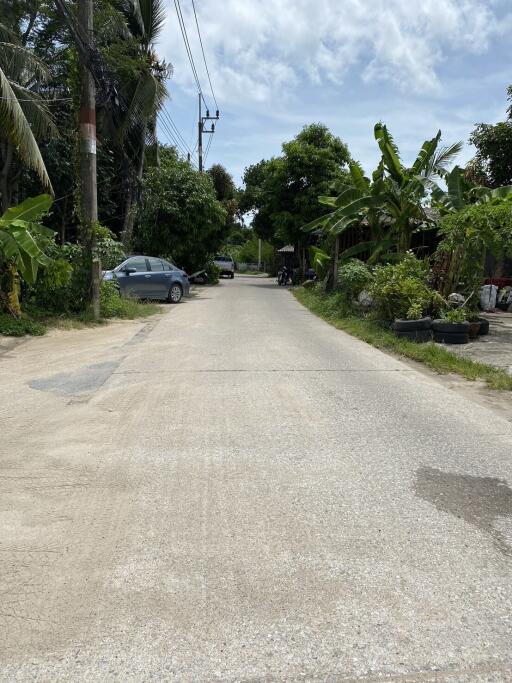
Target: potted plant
{"points": [[474, 324], [415, 326], [453, 328], [484, 327]]}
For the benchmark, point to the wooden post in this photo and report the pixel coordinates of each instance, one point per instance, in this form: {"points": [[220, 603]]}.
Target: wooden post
{"points": [[335, 262]]}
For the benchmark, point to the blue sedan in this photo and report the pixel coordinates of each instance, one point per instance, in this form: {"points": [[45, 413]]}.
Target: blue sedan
{"points": [[147, 277]]}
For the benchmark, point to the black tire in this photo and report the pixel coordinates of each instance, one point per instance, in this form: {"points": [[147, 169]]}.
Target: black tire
{"points": [[411, 325], [484, 327], [450, 328], [419, 336], [451, 338], [232, 276], [175, 293]]}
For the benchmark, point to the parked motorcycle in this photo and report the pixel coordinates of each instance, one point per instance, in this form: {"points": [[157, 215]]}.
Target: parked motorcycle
{"points": [[283, 277]]}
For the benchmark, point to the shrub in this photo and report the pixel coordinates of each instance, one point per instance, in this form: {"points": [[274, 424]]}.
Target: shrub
{"points": [[213, 272], [456, 315], [110, 251], [111, 304], [353, 277], [19, 327], [401, 290]]}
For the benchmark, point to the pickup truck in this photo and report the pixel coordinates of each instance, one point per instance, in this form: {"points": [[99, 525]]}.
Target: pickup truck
{"points": [[226, 265]]}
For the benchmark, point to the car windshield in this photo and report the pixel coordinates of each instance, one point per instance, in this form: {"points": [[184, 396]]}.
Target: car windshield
{"points": [[222, 258]]}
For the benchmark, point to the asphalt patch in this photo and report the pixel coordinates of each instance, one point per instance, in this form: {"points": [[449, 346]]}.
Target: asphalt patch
{"points": [[480, 501], [82, 382]]}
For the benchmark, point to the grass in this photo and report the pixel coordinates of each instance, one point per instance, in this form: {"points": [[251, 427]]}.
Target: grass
{"points": [[36, 322], [333, 309]]}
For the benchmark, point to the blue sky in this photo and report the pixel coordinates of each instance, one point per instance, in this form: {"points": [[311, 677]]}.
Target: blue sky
{"points": [[279, 65]]}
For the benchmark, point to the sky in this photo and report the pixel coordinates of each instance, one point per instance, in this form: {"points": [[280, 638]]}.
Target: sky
{"points": [[277, 65]]}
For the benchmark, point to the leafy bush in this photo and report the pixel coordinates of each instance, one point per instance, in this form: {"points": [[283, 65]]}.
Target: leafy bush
{"points": [[110, 251], [113, 305], [401, 290], [353, 277], [456, 315], [19, 327], [213, 273]]}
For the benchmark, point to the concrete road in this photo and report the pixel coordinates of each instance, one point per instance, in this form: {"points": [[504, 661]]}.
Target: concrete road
{"points": [[237, 491]]}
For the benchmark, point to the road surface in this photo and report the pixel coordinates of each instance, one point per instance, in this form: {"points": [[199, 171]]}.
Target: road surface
{"points": [[236, 491]]}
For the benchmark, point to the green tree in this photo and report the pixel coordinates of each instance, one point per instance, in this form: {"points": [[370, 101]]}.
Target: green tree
{"points": [[282, 192], [180, 216], [493, 161]]}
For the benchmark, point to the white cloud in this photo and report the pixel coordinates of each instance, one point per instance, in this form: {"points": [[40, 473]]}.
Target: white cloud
{"points": [[259, 51]]}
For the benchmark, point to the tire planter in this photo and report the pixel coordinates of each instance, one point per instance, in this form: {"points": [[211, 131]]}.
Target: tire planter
{"points": [[416, 330], [484, 327], [451, 337], [474, 329], [446, 332], [419, 336], [410, 325]]}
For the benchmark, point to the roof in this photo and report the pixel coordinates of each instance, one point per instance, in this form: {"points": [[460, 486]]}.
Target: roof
{"points": [[288, 249]]}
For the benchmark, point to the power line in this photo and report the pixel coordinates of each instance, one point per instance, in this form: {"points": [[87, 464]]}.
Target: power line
{"points": [[176, 130], [173, 137], [204, 56], [208, 148], [188, 49]]}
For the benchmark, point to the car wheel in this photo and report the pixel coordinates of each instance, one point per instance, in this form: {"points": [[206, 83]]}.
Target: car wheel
{"points": [[175, 293], [232, 275]]}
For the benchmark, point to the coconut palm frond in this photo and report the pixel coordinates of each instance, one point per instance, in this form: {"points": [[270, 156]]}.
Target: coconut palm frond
{"points": [[17, 61], [16, 128], [153, 13], [36, 111]]}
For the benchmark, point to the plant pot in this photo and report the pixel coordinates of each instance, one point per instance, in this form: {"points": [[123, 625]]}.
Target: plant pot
{"points": [[484, 327], [474, 329], [415, 330], [446, 332]]}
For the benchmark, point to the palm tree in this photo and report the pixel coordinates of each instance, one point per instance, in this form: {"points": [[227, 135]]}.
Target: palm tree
{"points": [[142, 96], [24, 114]]}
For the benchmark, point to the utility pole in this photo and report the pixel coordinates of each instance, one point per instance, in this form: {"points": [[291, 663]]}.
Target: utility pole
{"points": [[87, 118], [201, 130], [259, 255]]}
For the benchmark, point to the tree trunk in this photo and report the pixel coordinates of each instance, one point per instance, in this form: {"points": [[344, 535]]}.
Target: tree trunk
{"points": [[132, 198], [10, 290]]}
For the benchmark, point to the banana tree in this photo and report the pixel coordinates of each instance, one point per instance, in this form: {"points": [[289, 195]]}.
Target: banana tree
{"points": [[406, 192], [392, 202], [461, 193], [19, 250]]}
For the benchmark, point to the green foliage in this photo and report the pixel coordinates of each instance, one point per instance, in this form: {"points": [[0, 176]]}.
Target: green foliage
{"points": [[110, 251], [333, 309], [19, 327], [401, 290], [466, 236], [391, 203], [19, 231], [283, 190], [213, 272], [112, 305], [494, 151], [456, 315], [180, 214], [320, 261], [354, 277]]}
